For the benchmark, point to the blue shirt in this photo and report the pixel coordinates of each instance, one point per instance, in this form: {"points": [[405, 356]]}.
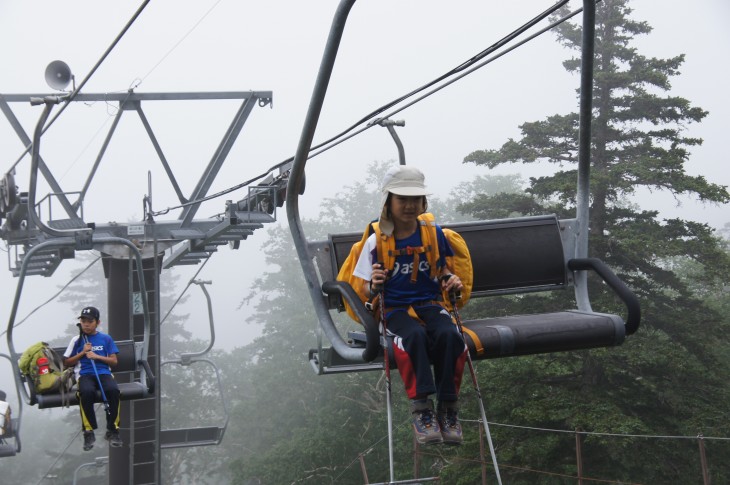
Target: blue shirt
{"points": [[101, 344], [399, 289]]}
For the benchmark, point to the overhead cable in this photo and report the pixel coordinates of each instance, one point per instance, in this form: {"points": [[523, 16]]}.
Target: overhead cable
{"points": [[372, 121], [54, 296], [86, 79]]}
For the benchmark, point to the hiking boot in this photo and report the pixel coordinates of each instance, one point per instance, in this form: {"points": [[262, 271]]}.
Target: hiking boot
{"points": [[425, 426], [448, 420], [115, 441], [89, 440]]}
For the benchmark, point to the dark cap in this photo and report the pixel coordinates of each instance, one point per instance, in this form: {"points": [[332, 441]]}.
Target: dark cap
{"points": [[89, 312]]}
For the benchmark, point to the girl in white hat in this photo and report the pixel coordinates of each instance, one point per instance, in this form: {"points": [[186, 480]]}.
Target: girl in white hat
{"points": [[422, 330]]}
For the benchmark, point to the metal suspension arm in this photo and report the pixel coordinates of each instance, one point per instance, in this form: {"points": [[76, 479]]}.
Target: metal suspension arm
{"points": [[584, 148], [296, 180]]}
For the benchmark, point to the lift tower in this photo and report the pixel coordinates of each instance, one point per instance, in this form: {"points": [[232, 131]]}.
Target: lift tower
{"points": [[38, 242]]}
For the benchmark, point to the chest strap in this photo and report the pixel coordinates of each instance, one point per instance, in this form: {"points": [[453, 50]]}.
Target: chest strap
{"points": [[411, 251]]}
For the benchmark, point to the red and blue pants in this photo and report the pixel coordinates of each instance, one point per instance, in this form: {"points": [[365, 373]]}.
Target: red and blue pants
{"points": [[418, 345]]}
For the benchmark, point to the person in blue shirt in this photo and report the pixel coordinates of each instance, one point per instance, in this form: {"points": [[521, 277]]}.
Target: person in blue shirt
{"points": [[93, 353], [422, 330]]}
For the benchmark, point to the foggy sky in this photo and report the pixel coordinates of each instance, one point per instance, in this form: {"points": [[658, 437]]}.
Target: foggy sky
{"points": [[389, 48]]}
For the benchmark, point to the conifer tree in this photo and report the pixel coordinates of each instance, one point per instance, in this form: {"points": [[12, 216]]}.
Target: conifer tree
{"points": [[667, 379]]}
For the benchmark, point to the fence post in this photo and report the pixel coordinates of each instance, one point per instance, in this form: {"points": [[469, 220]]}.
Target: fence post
{"points": [[579, 455], [416, 457], [362, 467], [703, 460], [482, 457]]}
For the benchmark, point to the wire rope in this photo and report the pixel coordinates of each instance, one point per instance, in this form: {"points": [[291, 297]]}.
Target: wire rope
{"points": [[137, 81], [63, 452], [368, 450], [615, 435], [463, 67], [183, 291], [534, 470], [54, 296], [177, 44], [86, 79], [73, 438], [86, 147]]}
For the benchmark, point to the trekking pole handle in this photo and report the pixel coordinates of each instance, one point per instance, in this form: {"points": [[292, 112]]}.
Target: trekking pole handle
{"points": [[453, 294], [378, 287]]}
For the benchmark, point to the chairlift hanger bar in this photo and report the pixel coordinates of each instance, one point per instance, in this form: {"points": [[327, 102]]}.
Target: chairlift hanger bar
{"points": [[292, 201], [201, 435]]}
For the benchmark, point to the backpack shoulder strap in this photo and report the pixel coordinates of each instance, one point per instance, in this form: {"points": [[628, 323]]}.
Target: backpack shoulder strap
{"points": [[55, 360], [386, 248], [386, 244], [430, 240]]}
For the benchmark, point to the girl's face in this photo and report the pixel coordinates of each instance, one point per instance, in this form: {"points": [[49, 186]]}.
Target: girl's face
{"points": [[405, 209]]}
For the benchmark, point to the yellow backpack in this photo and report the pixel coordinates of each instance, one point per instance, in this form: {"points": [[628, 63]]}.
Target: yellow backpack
{"points": [[459, 264]]}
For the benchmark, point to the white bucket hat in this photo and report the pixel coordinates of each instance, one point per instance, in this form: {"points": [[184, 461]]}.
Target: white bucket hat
{"points": [[400, 180]]}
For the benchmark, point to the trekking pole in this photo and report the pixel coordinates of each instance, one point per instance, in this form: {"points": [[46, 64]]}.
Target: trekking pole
{"points": [[388, 393], [452, 298], [96, 373]]}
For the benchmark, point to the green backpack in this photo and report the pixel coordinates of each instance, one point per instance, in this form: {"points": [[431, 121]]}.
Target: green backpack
{"points": [[56, 380]]}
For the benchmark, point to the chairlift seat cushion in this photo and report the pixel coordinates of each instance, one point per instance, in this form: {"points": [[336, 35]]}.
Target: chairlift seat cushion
{"points": [[545, 332], [515, 335], [188, 437], [7, 450]]}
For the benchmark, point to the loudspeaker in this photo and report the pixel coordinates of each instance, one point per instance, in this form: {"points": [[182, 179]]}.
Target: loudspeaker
{"points": [[58, 75]]}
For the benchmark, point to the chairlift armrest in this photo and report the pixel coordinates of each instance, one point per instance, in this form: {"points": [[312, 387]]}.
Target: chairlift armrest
{"points": [[619, 287], [372, 336], [16, 434], [27, 389], [151, 382]]}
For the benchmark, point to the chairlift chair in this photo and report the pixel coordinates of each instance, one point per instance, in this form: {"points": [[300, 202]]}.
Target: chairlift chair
{"points": [[132, 357], [200, 435], [510, 256]]}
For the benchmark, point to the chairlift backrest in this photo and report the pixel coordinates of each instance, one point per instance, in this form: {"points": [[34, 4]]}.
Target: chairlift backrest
{"points": [[509, 256], [516, 254]]}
